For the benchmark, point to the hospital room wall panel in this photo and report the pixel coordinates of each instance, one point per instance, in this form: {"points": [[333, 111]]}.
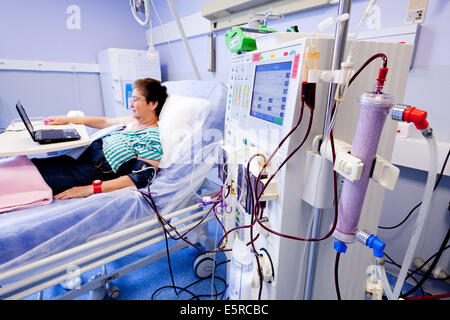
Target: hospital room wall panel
{"points": [[48, 93], [48, 30]]}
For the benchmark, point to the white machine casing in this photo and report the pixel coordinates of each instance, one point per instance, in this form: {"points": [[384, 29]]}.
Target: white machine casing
{"points": [[119, 68], [246, 135]]}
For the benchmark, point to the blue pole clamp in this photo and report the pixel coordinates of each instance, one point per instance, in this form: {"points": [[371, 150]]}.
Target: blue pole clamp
{"points": [[377, 245], [340, 246]]}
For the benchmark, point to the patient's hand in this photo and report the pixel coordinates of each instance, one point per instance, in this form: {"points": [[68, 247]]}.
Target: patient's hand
{"points": [[75, 192], [57, 120]]}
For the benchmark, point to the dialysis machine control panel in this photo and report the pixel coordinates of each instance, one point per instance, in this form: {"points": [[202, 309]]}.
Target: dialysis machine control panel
{"points": [[262, 95]]}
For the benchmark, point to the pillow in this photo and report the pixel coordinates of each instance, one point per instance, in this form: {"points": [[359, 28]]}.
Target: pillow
{"points": [[178, 120]]}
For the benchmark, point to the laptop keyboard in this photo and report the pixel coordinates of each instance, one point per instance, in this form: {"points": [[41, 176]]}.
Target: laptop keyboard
{"points": [[52, 134]]}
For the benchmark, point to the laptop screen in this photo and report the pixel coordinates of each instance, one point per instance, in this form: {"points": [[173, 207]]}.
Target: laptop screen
{"points": [[25, 118]]}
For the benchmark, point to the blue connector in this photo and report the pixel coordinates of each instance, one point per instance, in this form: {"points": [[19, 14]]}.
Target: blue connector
{"points": [[372, 242], [340, 246], [377, 245]]}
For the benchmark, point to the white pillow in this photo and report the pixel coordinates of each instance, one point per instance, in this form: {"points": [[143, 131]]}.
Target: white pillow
{"points": [[178, 119]]}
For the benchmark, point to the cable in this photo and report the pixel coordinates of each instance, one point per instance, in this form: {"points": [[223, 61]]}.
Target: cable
{"points": [[335, 194], [155, 209], [174, 287], [12, 130], [426, 262], [255, 201], [152, 204], [336, 278], [197, 296], [433, 264], [399, 266], [149, 200], [364, 65], [420, 203]]}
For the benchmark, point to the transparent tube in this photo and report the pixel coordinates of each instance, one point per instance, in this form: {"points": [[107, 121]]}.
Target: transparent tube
{"points": [[424, 209], [364, 16], [344, 81], [347, 68], [383, 277]]}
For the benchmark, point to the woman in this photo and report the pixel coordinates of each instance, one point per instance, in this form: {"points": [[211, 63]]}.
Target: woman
{"points": [[129, 157]]}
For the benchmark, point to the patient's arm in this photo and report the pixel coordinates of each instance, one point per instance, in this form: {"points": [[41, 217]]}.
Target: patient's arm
{"points": [[94, 122], [107, 186], [154, 163], [85, 191]]}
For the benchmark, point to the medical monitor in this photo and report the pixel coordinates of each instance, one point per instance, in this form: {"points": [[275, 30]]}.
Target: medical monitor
{"points": [[270, 91]]}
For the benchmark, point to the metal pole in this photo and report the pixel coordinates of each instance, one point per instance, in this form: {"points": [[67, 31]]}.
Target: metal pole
{"points": [[183, 37], [338, 52], [312, 257]]}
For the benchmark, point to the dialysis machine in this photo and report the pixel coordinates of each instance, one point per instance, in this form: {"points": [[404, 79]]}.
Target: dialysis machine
{"points": [[263, 105], [119, 68]]}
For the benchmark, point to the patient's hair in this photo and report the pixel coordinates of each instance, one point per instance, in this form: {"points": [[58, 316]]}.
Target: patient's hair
{"points": [[153, 91]]}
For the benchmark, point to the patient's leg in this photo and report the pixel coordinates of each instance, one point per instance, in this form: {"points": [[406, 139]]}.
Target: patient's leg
{"points": [[64, 172]]}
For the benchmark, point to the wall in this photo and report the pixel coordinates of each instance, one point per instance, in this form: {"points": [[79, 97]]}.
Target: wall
{"points": [[38, 30], [427, 88]]}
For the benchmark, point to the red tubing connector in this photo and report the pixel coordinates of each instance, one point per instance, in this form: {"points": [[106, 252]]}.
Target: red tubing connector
{"points": [[416, 116], [382, 73]]}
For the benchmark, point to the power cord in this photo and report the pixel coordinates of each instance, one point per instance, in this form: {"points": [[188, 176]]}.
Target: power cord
{"points": [[198, 296], [419, 204], [148, 198], [391, 261], [336, 277], [433, 264]]}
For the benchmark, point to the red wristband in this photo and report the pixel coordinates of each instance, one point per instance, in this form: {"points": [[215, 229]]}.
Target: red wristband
{"points": [[97, 184]]}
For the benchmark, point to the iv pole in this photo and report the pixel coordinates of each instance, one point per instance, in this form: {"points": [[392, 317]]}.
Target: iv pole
{"points": [[338, 52]]}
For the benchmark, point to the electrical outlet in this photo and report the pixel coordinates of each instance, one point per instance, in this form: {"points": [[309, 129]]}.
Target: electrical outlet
{"points": [[416, 11]]}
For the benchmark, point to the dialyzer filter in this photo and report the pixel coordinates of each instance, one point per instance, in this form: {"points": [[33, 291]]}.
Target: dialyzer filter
{"points": [[374, 108]]}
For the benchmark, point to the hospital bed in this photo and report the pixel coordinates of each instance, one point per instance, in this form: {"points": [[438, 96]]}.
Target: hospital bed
{"points": [[42, 246]]}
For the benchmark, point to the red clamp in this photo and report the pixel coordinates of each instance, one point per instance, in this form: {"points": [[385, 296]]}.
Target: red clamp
{"points": [[416, 116]]}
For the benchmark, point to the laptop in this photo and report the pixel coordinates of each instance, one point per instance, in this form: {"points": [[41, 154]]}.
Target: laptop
{"points": [[48, 135]]}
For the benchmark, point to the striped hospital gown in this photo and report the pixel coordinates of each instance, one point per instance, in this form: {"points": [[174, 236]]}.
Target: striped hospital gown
{"points": [[121, 146]]}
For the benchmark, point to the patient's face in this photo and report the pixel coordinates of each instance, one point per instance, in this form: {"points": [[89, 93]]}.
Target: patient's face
{"points": [[139, 106]]}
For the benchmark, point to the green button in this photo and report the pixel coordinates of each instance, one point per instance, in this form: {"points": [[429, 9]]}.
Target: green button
{"points": [[278, 121]]}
